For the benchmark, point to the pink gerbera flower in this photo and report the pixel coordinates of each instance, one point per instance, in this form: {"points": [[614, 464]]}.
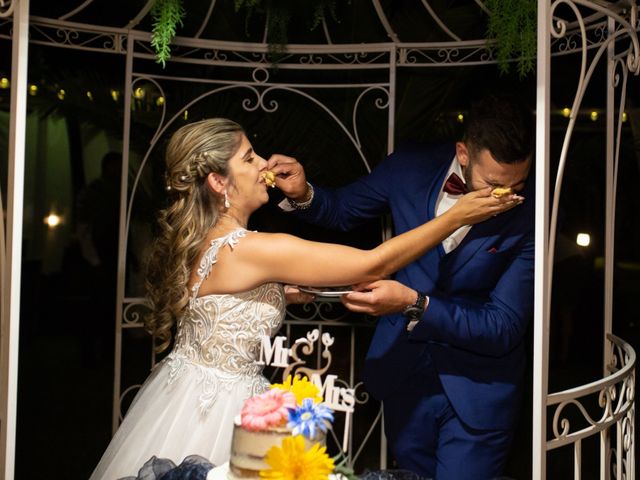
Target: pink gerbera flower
{"points": [[270, 409]]}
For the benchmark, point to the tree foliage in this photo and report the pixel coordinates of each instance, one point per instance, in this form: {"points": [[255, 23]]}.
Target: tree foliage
{"points": [[512, 26]]}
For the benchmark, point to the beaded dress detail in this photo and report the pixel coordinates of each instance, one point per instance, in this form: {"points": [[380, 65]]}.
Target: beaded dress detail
{"points": [[188, 403]]}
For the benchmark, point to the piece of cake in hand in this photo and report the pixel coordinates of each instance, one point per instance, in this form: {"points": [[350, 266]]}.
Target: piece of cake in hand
{"points": [[499, 192], [274, 427], [269, 178]]}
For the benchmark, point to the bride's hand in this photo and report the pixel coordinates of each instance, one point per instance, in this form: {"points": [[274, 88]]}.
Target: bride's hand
{"points": [[480, 205]]}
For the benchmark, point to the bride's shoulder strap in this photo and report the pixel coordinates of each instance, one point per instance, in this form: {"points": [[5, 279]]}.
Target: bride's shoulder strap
{"points": [[210, 257]]}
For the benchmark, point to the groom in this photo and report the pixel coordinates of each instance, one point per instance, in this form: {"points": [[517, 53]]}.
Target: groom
{"points": [[447, 357]]}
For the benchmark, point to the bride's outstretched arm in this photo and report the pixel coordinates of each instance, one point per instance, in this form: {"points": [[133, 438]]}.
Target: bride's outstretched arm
{"points": [[284, 258]]}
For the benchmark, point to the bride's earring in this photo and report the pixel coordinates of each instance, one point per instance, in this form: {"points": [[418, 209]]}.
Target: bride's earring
{"points": [[226, 200]]}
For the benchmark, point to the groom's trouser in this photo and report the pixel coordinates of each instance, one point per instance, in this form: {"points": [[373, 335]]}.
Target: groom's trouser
{"points": [[427, 437]]}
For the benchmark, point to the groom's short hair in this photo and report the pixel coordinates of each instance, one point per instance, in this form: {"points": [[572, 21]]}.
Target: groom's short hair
{"points": [[501, 124]]}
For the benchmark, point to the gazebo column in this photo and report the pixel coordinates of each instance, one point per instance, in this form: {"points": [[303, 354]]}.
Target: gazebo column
{"points": [[542, 266], [12, 254]]}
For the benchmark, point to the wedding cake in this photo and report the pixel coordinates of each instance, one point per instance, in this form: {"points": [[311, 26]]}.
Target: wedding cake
{"points": [[282, 433], [287, 424]]}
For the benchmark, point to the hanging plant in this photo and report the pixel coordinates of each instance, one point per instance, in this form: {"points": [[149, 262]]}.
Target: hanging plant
{"points": [[512, 24], [166, 15]]}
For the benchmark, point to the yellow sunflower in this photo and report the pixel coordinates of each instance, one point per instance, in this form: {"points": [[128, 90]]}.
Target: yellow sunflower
{"points": [[301, 387], [291, 462]]}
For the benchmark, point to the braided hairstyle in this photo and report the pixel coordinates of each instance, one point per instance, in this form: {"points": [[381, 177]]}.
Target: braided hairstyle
{"points": [[194, 151]]}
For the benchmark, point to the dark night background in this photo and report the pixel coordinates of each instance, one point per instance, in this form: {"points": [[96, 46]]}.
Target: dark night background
{"points": [[66, 332]]}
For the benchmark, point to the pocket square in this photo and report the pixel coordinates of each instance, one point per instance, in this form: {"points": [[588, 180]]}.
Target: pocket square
{"points": [[492, 250]]}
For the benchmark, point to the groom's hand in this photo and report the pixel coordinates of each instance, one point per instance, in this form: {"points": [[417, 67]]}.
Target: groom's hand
{"points": [[379, 298], [290, 176]]}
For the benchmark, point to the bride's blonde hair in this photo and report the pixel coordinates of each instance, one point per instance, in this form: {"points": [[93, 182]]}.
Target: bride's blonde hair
{"points": [[194, 151]]}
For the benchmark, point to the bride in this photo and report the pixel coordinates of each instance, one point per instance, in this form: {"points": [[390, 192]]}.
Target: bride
{"points": [[222, 286]]}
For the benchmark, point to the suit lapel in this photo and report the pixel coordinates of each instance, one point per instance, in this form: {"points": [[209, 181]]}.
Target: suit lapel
{"points": [[472, 243], [429, 196], [481, 237]]}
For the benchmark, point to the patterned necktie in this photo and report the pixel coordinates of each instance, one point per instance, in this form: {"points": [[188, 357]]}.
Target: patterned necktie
{"points": [[455, 186]]}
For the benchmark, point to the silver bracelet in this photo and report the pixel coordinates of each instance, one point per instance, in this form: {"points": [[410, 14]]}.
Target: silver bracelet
{"points": [[302, 205]]}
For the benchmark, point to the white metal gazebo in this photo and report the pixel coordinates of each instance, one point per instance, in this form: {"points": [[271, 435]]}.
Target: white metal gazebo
{"points": [[601, 34]]}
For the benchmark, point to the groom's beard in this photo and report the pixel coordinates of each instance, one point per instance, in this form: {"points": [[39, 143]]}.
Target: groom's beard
{"points": [[466, 176]]}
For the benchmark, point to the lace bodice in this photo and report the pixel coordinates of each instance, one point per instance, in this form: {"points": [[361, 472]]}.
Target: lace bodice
{"points": [[220, 334]]}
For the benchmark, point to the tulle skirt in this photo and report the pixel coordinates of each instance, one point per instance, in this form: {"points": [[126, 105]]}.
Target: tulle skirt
{"points": [[166, 420]]}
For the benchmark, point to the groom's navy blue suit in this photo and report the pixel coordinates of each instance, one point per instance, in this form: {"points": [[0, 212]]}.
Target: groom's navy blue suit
{"points": [[480, 299]]}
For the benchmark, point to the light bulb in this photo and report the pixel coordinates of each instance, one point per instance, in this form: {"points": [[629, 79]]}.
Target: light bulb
{"points": [[583, 239], [52, 220]]}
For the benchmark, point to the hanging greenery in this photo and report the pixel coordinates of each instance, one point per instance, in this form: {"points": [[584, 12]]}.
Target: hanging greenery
{"points": [[512, 24], [166, 15]]}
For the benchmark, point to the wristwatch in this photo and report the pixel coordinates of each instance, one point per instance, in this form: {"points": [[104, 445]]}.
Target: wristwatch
{"points": [[306, 203], [413, 313]]}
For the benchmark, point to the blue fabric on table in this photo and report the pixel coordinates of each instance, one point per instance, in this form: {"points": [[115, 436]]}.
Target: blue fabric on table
{"points": [[193, 467]]}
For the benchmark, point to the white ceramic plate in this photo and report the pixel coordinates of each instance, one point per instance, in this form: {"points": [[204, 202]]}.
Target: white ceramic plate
{"points": [[325, 291]]}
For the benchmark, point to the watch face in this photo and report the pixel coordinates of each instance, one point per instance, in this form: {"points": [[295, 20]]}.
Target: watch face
{"points": [[412, 312]]}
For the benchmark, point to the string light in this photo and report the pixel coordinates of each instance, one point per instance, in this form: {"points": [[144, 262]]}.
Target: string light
{"points": [[624, 116], [160, 101], [90, 95], [186, 115], [460, 118], [33, 90], [593, 115], [566, 112], [583, 239], [4, 83], [61, 94], [114, 94], [139, 93], [52, 220]]}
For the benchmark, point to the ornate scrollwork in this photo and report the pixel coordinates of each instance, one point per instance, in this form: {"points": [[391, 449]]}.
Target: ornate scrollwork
{"points": [[472, 54], [133, 314], [323, 311], [269, 107], [448, 54], [6, 8], [306, 344], [616, 395], [260, 75], [216, 55], [132, 388], [361, 58], [80, 39], [311, 59]]}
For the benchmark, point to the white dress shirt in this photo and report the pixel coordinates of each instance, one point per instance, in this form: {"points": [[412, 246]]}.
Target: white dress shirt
{"points": [[444, 202]]}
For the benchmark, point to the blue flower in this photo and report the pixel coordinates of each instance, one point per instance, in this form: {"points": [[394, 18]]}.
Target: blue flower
{"points": [[308, 418]]}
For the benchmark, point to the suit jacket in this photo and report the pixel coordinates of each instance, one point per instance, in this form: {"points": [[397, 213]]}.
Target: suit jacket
{"points": [[480, 294]]}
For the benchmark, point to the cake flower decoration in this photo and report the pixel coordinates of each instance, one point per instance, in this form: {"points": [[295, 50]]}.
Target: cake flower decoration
{"points": [[308, 418], [301, 387], [269, 409], [290, 461]]}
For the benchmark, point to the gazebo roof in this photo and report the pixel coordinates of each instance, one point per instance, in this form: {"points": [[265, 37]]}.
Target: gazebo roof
{"points": [[376, 21]]}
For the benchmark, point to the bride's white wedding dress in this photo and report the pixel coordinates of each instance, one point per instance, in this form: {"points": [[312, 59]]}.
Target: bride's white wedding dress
{"points": [[188, 403]]}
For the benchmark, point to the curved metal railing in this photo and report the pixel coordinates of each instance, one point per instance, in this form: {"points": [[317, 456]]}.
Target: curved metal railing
{"points": [[615, 399]]}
